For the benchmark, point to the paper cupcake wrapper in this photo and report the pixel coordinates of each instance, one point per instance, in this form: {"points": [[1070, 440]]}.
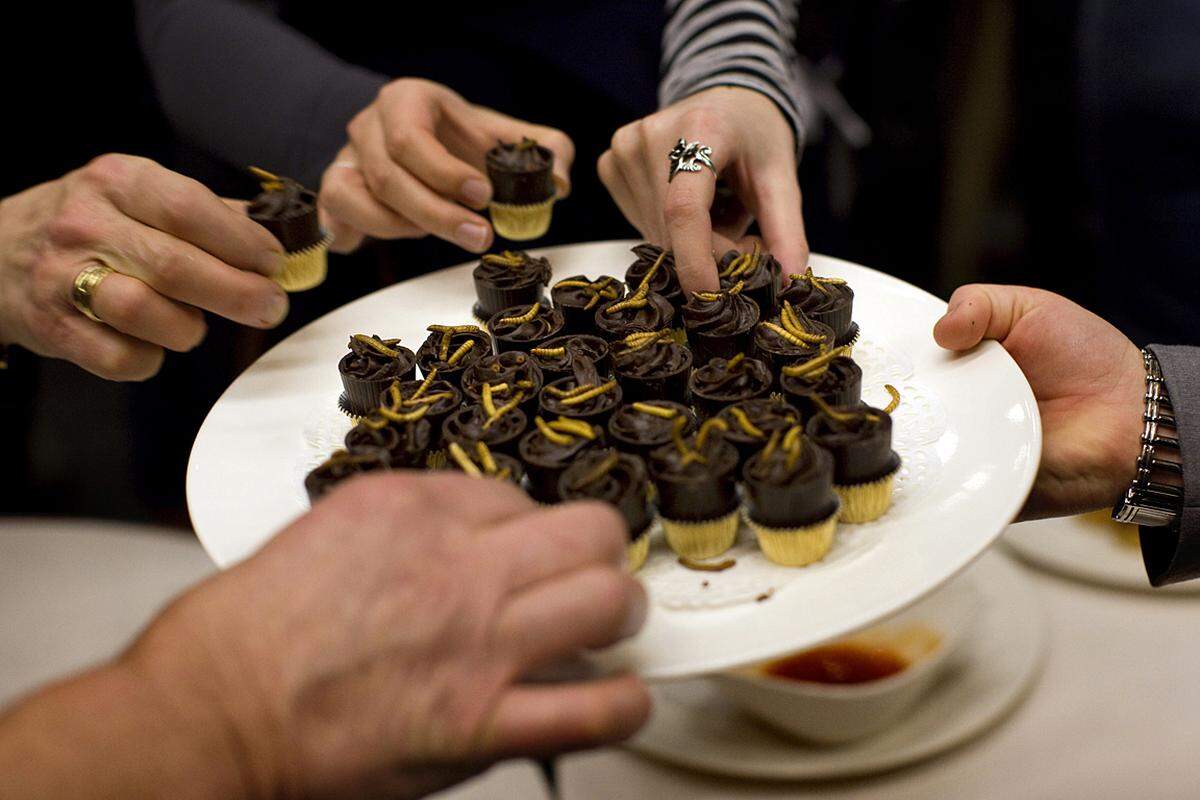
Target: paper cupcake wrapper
{"points": [[305, 269], [344, 407], [849, 339], [637, 550], [436, 459], [521, 222], [795, 547], [866, 502], [680, 336], [705, 539]]}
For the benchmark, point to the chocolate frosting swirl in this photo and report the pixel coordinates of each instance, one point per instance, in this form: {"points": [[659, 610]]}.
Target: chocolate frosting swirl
{"points": [[665, 280], [286, 199], [767, 414], [814, 297], [585, 374], [368, 363], [341, 466], [840, 372], [747, 378], [860, 440], [600, 290], [535, 448], [719, 313], [429, 354], [403, 442], [779, 470], [547, 322], [624, 481], [656, 360], [513, 368], [720, 458], [516, 470], [438, 408], [574, 346], [764, 270], [629, 424], [655, 314], [524, 156], [467, 425], [512, 268]]}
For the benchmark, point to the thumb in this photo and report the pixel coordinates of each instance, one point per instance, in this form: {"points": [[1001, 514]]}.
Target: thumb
{"points": [[980, 311], [780, 218]]}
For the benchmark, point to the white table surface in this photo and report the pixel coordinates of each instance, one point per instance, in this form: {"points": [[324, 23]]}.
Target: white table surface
{"points": [[75, 592], [1115, 714]]}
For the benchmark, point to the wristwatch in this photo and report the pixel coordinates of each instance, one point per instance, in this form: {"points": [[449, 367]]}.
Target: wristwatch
{"points": [[1155, 497]]}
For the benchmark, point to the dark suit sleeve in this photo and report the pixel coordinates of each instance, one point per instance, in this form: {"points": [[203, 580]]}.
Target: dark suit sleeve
{"points": [[1173, 554], [245, 87]]}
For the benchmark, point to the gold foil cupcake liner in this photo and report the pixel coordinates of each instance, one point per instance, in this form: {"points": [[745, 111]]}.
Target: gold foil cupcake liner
{"points": [[866, 502], [704, 539], [795, 547], [305, 269], [521, 222], [637, 550], [436, 459], [344, 407], [680, 336]]}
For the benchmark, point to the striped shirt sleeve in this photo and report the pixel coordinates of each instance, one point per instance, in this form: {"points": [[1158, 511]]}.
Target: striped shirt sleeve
{"points": [[747, 43]]}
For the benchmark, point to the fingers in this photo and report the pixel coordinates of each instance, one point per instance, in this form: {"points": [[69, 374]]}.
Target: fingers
{"points": [[686, 212], [583, 610], [780, 216], [425, 157], [183, 272], [978, 312], [407, 196], [183, 208], [540, 720], [354, 212], [559, 539], [622, 193], [509, 129], [108, 353], [131, 307]]}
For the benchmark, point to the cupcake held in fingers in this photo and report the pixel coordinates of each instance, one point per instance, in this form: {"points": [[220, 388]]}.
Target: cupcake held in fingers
{"points": [[865, 466], [618, 479], [696, 478], [511, 278], [550, 448], [289, 212], [523, 191], [790, 502], [369, 368]]}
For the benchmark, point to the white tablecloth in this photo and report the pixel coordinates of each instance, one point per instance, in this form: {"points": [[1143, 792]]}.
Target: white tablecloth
{"points": [[1115, 714]]}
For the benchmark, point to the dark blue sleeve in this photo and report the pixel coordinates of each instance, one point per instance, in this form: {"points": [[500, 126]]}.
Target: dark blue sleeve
{"points": [[1173, 554], [240, 84]]}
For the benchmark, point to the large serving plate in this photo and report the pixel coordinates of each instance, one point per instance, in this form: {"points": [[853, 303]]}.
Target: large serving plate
{"points": [[967, 430]]}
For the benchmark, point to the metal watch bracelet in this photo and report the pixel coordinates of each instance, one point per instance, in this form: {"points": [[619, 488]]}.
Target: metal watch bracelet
{"points": [[1148, 501]]}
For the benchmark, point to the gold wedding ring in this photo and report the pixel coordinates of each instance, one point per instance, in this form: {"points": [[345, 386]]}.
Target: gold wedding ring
{"points": [[84, 289]]}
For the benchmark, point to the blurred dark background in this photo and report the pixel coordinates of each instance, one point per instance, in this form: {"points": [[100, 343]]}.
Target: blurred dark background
{"points": [[1010, 141]]}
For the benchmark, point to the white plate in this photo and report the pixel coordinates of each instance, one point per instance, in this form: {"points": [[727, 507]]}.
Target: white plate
{"points": [[1089, 547], [696, 727], [968, 431]]}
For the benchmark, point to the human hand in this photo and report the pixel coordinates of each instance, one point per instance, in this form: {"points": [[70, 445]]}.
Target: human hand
{"points": [[176, 248], [1088, 379], [753, 150], [377, 646], [414, 166]]}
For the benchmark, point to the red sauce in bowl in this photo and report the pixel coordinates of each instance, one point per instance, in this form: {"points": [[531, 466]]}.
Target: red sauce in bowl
{"points": [[842, 663]]}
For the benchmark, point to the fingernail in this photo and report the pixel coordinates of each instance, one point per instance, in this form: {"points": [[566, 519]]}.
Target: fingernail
{"points": [[277, 309], [475, 192], [636, 616], [271, 264], [471, 236]]}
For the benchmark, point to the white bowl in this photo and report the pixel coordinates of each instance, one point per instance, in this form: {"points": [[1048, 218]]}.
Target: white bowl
{"points": [[837, 713]]}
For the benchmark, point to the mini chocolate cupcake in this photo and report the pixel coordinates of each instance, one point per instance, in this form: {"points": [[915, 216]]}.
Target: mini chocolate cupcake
{"points": [[642, 427], [522, 176], [696, 479], [550, 449], [369, 368], [405, 436], [832, 377], [790, 338], [865, 466], [641, 311], [499, 427], [584, 395], [652, 365], [511, 278], [556, 356], [342, 466], [722, 382], [751, 423], [659, 265], [439, 398], [521, 328], [479, 461], [790, 502], [719, 324], [827, 300], [289, 212], [618, 479], [578, 297], [450, 349], [505, 376], [760, 273]]}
